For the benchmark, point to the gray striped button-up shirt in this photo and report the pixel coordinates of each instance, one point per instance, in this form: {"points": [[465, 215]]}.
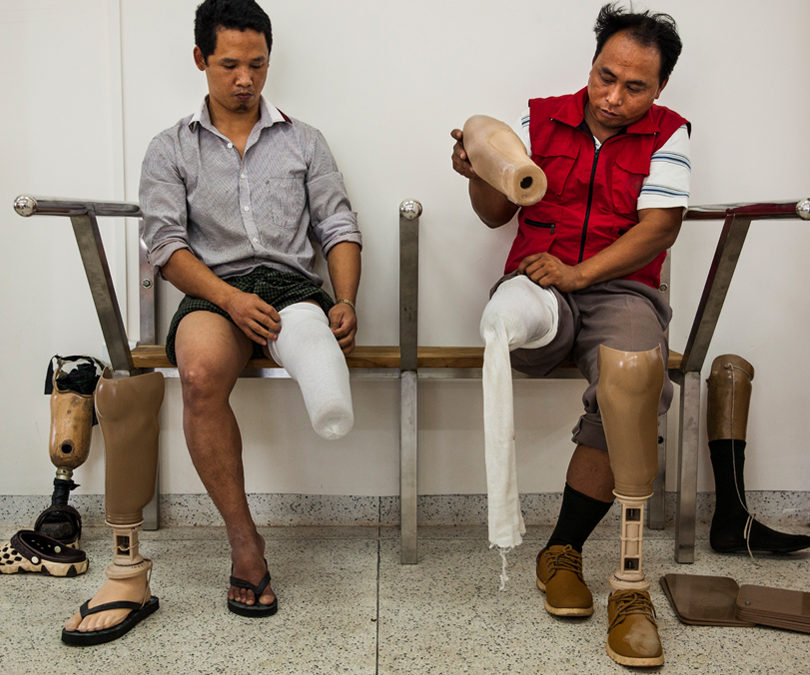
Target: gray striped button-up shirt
{"points": [[236, 213]]}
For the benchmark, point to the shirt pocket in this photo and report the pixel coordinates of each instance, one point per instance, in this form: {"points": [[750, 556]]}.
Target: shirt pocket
{"points": [[627, 177], [282, 201]]}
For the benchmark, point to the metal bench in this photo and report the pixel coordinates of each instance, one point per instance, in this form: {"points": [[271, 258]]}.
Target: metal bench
{"points": [[409, 362]]}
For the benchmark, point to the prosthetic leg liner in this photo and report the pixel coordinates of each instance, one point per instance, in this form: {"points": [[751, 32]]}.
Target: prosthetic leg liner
{"points": [[308, 350], [519, 314]]}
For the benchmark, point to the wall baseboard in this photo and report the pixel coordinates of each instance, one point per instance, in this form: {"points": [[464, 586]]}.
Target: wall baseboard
{"points": [[787, 509]]}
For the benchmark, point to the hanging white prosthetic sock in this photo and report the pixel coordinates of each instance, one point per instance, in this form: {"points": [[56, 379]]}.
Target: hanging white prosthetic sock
{"points": [[519, 314], [309, 352]]}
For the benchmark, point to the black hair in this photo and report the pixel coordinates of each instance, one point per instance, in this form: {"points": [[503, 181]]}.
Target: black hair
{"points": [[213, 15], [648, 29]]}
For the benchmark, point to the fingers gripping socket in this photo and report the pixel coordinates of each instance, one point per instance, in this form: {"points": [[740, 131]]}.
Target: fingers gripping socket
{"points": [[127, 411], [71, 428], [628, 392], [729, 395]]}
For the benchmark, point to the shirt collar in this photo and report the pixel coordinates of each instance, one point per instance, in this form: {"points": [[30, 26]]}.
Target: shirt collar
{"points": [[572, 112], [269, 115]]}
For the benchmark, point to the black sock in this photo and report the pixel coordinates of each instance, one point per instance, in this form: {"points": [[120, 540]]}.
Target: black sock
{"points": [[579, 515], [728, 461]]}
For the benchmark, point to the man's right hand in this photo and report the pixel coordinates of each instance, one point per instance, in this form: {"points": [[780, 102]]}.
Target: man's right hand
{"points": [[255, 318]]}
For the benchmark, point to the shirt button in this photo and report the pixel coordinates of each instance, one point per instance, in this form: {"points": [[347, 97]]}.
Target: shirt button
{"points": [[255, 240], [230, 145], [247, 208]]}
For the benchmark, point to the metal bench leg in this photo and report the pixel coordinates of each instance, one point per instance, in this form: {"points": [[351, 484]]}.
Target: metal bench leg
{"points": [[408, 448], [656, 511], [687, 468]]}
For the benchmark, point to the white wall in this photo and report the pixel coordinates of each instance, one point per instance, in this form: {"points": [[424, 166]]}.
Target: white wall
{"points": [[88, 83]]}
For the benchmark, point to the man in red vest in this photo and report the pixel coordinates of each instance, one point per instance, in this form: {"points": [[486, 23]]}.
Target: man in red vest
{"points": [[584, 270]]}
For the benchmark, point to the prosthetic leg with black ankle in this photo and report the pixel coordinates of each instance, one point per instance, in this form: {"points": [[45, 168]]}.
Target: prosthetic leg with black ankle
{"points": [[127, 410], [69, 443], [733, 528], [628, 393]]}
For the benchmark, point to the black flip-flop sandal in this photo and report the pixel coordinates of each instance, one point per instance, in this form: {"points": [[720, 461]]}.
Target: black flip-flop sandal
{"points": [[139, 613], [257, 609]]}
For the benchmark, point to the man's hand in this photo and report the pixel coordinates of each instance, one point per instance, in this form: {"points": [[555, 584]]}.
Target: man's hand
{"points": [[461, 163], [255, 318], [547, 270], [343, 322]]}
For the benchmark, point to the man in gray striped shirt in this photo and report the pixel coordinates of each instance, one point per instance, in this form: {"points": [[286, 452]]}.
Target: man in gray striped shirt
{"points": [[235, 199]]}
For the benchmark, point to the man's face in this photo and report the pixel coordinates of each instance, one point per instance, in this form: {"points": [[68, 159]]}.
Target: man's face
{"points": [[236, 71], [622, 85]]}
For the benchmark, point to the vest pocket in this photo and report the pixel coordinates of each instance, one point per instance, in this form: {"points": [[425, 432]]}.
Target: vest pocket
{"points": [[627, 177], [547, 226]]}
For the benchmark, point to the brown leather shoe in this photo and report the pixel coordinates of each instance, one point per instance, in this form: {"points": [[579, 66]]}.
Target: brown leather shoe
{"points": [[559, 574], [632, 632]]}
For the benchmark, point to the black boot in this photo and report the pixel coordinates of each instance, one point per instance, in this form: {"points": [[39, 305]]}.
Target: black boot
{"points": [[733, 528]]}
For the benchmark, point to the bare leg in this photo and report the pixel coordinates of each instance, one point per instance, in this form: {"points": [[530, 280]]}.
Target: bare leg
{"points": [[211, 353], [589, 472]]}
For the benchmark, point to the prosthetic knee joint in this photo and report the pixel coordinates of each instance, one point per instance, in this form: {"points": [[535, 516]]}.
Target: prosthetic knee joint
{"points": [[628, 393], [127, 409]]}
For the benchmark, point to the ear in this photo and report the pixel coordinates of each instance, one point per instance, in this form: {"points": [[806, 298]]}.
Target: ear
{"points": [[199, 59], [661, 88]]}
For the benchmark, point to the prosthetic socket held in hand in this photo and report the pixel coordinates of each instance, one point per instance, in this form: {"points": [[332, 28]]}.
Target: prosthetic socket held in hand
{"points": [[628, 392], [127, 410], [499, 157]]}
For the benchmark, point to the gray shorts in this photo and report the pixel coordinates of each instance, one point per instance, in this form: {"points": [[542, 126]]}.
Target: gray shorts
{"points": [[625, 315]]}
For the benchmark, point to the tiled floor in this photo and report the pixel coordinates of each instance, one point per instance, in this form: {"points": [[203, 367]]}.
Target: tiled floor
{"points": [[348, 606]]}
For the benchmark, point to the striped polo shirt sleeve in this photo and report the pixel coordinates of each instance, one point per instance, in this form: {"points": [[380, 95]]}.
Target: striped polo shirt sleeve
{"points": [[667, 184]]}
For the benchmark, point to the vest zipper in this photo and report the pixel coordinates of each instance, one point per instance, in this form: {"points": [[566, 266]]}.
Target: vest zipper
{"points": [[536, 223], [588, 205]]}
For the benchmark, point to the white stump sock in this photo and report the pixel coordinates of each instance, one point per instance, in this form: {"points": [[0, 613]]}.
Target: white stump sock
{"points": [[309, 352], [519, 314]]}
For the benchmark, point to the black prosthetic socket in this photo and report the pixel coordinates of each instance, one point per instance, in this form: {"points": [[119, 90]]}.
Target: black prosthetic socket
{"points": [[733, 529], [61, 491], [579, 515]]}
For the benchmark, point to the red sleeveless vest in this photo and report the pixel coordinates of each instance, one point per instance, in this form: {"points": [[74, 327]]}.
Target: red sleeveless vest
{"points": [[592, 195]]}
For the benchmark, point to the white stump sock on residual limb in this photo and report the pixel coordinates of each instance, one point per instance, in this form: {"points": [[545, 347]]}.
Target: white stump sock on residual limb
{"points": [[519, 314], [309, 352], [628, 393]]}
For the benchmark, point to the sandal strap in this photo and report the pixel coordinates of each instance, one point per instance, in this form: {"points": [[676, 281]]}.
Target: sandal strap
{"points": [[258, 589], [85, 609]]}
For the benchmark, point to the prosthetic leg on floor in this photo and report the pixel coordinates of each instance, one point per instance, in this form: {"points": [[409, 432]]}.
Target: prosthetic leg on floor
{"points": [[628, 393], [69, 443], [733, 528], [127, 410]]}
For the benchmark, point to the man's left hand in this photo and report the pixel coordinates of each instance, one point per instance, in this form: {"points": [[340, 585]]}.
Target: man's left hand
{"points": [[547, 270], [343, 322]]}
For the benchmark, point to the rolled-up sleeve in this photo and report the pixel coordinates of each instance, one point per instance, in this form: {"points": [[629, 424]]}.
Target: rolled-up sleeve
{"points": [[162, 196], [332, 219]]}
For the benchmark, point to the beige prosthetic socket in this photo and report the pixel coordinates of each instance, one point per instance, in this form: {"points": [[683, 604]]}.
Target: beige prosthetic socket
{"points": [[71, 427], [127, 410], [628, 393], [499, 157], [729, 397]]}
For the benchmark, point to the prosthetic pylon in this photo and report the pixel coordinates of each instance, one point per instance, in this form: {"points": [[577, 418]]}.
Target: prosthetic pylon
{"points": [[628, 393]]}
